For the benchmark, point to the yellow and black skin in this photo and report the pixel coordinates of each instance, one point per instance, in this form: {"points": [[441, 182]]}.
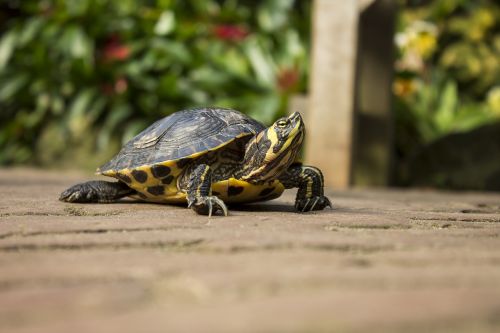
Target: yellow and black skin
{"points": [[209, 157]]}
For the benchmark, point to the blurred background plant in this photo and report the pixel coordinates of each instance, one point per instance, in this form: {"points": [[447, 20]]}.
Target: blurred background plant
{"points": [[78, 78], [447, 73]]}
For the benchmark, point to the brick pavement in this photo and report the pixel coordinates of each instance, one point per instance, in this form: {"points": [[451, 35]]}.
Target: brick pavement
{"points": [[382, 261]]}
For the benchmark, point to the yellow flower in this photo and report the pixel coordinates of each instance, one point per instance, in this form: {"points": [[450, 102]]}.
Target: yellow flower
{"points": [[419, 39], [425, 44], [482, 21], [484, 18], [493, 100], [404, 87]]}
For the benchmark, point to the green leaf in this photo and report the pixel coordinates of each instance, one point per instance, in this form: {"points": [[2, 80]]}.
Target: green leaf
{"points": [[165, 24], [205, 7], [77, 8], [273, 14], [7, 44], [115, 116], [265, 108], [35, 117], [261, 61], [77, 120], [177, 51], [30, 30], [77, 44], [293, 47], [234, 62], [208, 77], [472, 115], [12, 86], [57, 105], [95, 109], [447, 107]]}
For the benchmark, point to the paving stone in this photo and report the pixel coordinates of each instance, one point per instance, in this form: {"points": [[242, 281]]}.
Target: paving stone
{"points": [[384, 260]]}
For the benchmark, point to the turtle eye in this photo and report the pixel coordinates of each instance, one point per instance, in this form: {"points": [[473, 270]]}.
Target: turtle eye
{"points": [[282, 123]]}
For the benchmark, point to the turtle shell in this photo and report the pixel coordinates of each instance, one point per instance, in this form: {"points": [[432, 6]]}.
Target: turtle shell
{"points": [[181, 135]]}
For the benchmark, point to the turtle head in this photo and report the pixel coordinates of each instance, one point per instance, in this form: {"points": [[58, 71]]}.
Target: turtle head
{"points": [[273, 150]]}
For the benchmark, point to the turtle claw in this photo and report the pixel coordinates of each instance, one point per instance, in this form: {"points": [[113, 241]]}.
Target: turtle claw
{"points": [[65, 196], [209, 208], [208, 205], [218, 203], [313, 203], [329, 203], [305, 206], [74, 197], [79, 193]]}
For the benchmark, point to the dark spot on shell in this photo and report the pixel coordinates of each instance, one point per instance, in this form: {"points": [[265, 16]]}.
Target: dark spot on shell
{"points": [[123, 178], [183, 162], [234, 190], [140, 176], [266, 191], [215, 193], [160, 171], [167, 180], [156, 190]]}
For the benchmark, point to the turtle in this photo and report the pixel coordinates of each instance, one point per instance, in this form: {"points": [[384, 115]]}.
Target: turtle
{"points": [[209, 157]]}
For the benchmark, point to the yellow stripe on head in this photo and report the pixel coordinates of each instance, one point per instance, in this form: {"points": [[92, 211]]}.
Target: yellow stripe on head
{"points": [[274, 149], [282, 134]]}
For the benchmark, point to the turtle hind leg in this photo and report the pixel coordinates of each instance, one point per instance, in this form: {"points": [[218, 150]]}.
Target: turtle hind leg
{"points": [[96, 191], [199, 193]]}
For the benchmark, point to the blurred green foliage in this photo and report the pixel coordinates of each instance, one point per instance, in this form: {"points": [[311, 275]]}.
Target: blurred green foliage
{"points": [[89, 74], [447, 72], [78, 78]]}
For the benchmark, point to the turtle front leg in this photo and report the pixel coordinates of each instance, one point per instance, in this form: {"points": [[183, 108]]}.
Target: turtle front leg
{"points": [[309, 180], [199, 192], [96, 191]]}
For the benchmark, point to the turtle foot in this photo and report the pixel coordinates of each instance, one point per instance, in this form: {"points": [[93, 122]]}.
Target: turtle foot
{"points": [[96, 191], [80, 193], [313, 203], [208, 205]]}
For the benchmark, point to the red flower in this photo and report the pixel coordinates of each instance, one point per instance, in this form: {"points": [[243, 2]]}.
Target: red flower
{"points": [[118, 87], [232, 33], [121, 85], [115, 50], [288, 79]]}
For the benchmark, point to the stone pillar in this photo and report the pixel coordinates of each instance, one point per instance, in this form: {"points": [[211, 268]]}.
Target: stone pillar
{"points": [[329, 140], [349, 114]]}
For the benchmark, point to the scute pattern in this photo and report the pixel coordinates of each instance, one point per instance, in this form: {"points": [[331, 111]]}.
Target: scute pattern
{"points": [[167, 180], [160, 171], [124, 178], [234, 190], [139, 176], [183, 134], [156, 189]]}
